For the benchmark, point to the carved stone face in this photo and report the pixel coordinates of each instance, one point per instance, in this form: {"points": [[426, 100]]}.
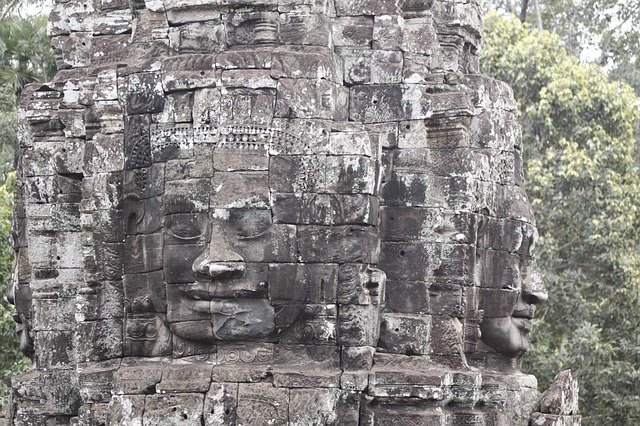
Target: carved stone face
{"points": [[217, 254], [252, 243], [516, 285]]}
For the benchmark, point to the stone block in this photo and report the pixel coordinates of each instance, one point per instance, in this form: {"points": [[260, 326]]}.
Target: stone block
{"points": [[306, 378], [305, 29], [446, 336], [185, 378], [143, 253], [357, 244], [261, 403], [388, 32], [313, 65], [187, 196], [360, 284], [184, 409], [95, 381], [351, 174], [358, 325], [220, 404], [315, 407], [297, 173], [353, 31], [53, 314], [375, 103], [198, 37], [144, 94], [302, 98], [99, 340], [405, 334], [178, 260], [371, 66], [54, 349], [420, 35], [408, 261], [366, 7], [126, 409], [233, 160], [291, 283], [240, 190], [410, 297], [100, 301], [446, 298], [144, 292], [137, 379], [46, 393]]}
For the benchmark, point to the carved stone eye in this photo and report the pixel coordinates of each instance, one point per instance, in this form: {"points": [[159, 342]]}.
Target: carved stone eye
{"points": [[251, 224], [187, 227]]}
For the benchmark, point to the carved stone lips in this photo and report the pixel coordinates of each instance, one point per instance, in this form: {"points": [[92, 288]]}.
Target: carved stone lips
{"points": [[205, 292], [527, 313]]}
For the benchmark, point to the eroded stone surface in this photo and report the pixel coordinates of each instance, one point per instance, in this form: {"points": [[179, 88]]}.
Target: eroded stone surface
{"points": [[274, 212]]}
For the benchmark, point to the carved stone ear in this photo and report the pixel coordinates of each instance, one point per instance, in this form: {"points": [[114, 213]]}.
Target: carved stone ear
{"points": [[134, 211]]}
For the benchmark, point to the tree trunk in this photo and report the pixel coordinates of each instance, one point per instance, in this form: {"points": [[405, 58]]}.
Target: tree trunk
{"points": [[536, 10], [523, 10], [509, 6]]}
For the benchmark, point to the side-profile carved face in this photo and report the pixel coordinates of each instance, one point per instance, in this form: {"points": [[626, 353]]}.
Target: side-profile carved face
{"points": [[516, 287]]}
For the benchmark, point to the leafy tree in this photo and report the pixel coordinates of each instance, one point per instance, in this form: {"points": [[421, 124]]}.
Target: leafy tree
{"points": [[25, 52], [11, 360], [608, 31], [583, 181], [25, 57]]}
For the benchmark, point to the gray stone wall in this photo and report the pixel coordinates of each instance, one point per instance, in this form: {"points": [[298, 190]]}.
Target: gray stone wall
{"points": [[273, 212]]}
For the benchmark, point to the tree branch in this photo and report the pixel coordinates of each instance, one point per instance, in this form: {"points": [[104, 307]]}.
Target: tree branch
{"points": [[523, 10], [536, 10], [7, 9]]}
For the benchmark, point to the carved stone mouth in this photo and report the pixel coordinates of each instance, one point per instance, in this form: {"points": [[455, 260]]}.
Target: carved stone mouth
{"points": [[527, 313], [525, 324], [203, 293]]}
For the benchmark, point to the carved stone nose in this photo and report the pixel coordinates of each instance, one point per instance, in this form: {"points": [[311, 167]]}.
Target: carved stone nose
{"points": [[218, 260], [533, 288], [218, 269]]}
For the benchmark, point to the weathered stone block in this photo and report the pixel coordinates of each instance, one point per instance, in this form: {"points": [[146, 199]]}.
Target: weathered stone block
{"points": [[183, 409], [405, 334], [366, 7], [353, 31], [310, 283], [126, 409], [99, 340], [358, 244], [185, 378], [358, 325], [262, 403], [250, 190], [220, 404], [305, 29]]}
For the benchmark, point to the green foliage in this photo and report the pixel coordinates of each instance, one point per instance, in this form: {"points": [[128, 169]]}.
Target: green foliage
{"points": [[11, 360], [25, 52], [607, 31], [583, 181], [8, 127]]}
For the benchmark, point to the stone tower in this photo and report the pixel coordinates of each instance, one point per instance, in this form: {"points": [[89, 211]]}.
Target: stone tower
{"points": [[274, 212]]}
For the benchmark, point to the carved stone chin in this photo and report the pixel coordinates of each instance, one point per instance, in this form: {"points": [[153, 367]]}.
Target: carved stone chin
{"points": [[272, 212]]}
